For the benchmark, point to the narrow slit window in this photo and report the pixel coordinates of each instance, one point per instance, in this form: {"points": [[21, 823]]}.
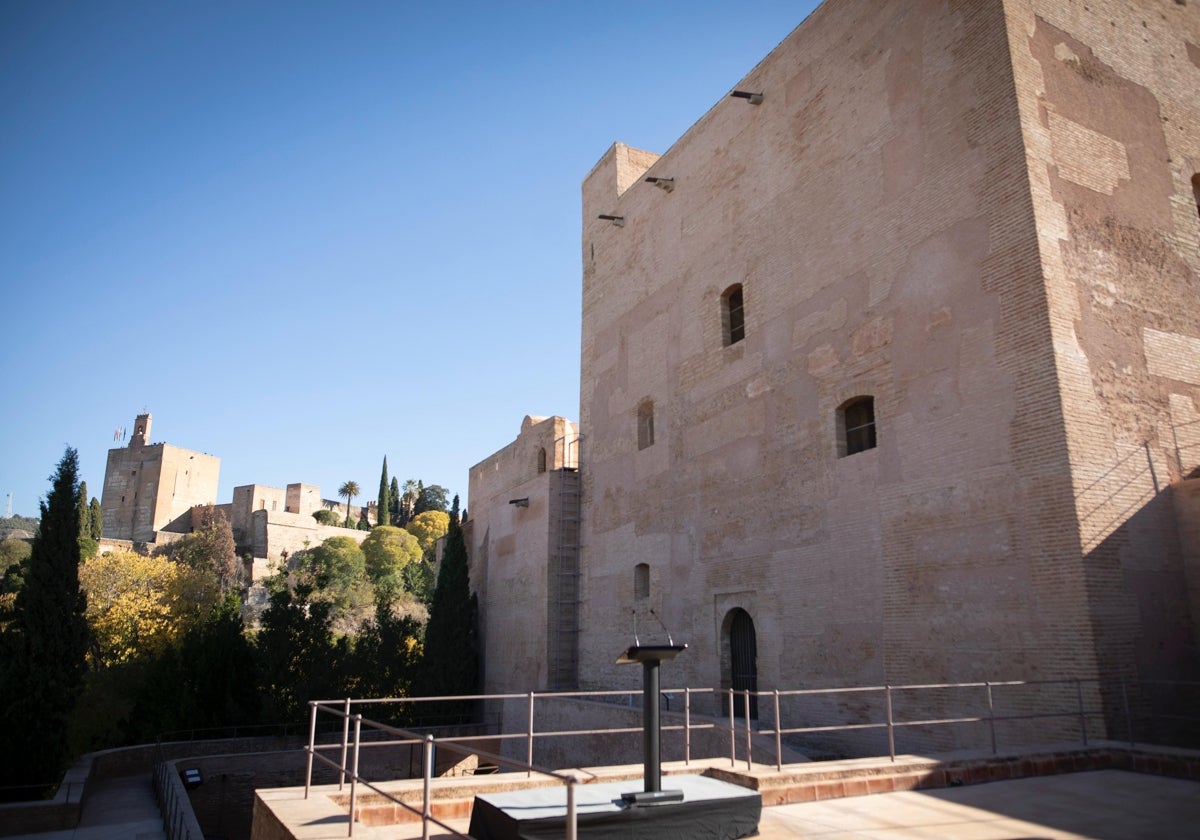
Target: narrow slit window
{"points": [[856, 425], [645, 424], [1196, 191], [733, 315], [541, 459]]}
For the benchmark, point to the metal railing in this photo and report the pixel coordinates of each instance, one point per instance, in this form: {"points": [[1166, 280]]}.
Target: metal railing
{"points": [[1068, 706], [891, 724], [351, 748], [179, 820], [986, 714]]}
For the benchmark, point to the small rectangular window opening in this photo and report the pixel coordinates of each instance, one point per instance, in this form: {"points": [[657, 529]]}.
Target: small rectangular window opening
{"points": [[733, 315], [737, 325], [857, 421], [645, 424]]}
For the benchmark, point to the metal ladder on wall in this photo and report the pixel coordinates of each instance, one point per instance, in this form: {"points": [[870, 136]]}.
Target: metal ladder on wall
{"points": [[563, 592]]}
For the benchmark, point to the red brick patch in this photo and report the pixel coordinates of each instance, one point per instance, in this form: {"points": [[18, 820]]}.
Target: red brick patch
{"points": [[932, 779], [829, 790], [855, 787], [802, 793], [880, 784]]}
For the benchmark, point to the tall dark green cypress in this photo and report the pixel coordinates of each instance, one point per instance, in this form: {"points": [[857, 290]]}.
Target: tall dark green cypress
{"points": [[87, 544], [450, 664], [394, 501], [85, 512], [97, 517], [383, 507], [46, 643]]}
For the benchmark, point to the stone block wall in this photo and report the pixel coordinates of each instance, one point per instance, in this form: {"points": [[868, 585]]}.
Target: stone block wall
{"points": [[511, 535], [916, 212], [147, 487], [1110, 115]]}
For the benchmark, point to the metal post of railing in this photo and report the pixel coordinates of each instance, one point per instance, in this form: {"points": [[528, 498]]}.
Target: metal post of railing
{"points": [[1128, 718], [732, 732], [345, 737], [312, 745], [687, 726], [354, 774], [427, 774], [778, 737], [991, 715], [749, 746], [891, 724], [529, 740], [572, 824], [1082, 716]]}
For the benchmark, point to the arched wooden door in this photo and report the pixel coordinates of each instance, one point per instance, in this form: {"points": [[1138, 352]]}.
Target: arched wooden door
{"points": [[743, 660]]}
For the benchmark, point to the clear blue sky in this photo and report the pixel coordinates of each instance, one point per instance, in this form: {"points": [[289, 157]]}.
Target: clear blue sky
{"points": [[304, 235]]}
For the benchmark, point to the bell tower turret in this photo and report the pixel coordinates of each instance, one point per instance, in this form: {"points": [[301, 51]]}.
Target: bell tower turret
{"points": [[141, 430]]}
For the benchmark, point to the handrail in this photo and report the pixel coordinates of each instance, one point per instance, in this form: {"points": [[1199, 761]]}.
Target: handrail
{"points": [[430, 745], [981, 695]]}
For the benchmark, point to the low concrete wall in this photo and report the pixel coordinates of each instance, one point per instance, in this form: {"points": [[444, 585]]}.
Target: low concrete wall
{"points": [[56, 814], [223, 803]]}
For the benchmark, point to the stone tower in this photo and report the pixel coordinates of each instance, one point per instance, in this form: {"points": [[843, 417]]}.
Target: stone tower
{"points": [[891, 363], [147, 487]]}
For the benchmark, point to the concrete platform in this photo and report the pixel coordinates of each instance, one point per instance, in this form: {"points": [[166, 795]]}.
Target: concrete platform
{"points": [[1100, 805]]}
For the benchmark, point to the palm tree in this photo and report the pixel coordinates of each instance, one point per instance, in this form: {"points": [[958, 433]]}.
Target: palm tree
{"points": [[407, 501], [349, 490]]}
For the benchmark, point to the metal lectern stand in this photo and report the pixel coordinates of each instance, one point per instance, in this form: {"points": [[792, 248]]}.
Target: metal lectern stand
{"points": [[650, 657]]}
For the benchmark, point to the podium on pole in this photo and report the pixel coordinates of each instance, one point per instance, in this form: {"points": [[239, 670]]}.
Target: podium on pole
{"points": [[651, 657]]}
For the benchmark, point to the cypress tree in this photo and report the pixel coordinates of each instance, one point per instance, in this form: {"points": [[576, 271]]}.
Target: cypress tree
{"points": [[383, 507], [85, 512], [394, 501], [450, 664], [87, 543], [46, 643], [97, 519]]}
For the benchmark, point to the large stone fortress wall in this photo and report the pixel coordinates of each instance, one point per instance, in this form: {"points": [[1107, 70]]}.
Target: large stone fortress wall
{"points": [[515, 534], [273, 523], [149, 486], [1109, 106], [981, 215]]}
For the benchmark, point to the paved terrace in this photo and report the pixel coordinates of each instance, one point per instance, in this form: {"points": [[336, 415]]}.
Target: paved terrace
{"points": [[1105, 791]]}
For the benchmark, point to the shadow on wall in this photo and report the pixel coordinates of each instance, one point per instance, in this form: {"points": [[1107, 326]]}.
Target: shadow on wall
{"points": [[1142, 576]]}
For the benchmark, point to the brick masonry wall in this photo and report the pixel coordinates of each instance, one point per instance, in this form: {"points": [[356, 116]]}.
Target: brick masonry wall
{"points": [[509, 551], [1110, 110], [148, 486], [879, 211]]}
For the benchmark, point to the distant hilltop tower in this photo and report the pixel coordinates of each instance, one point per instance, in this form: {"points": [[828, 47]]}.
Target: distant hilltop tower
{"points": [[149, 486], [141, 430]]}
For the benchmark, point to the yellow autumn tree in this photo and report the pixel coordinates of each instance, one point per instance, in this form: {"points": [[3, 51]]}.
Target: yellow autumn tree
{"points": [[427, 527], [138, 604]]}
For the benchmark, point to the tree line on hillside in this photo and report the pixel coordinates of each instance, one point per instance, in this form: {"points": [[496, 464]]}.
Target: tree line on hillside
{"points": [[396, 505], [105, 650], [17, 526]]}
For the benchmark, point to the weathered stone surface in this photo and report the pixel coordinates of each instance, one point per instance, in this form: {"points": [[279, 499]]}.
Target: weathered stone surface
{"points": [[982, 215]]}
